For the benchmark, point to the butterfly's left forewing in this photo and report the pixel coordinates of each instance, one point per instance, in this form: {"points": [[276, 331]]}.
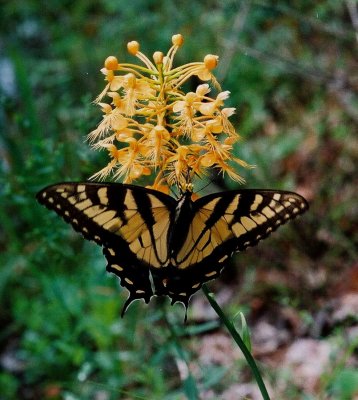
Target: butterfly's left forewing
{"points": [[130, 222]]}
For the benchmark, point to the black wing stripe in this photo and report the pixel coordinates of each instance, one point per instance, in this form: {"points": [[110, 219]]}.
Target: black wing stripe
{"points": [[218, 211], [145, 206]]}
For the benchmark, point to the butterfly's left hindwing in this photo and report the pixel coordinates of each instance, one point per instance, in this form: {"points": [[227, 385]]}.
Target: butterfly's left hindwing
{"points": [[130, 222]]}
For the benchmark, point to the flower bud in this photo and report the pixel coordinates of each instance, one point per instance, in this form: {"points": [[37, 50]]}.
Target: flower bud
{"points": [[133, 47], [111, 63], [158, 57], [177, 40], [211, 61]]}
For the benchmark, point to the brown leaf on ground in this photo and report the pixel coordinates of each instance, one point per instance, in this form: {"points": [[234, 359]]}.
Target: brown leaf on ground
{"points": [[245, 391], [274, 327], [345, 307], [267, 338], [218, 349], [348, 281], [308, 359]]}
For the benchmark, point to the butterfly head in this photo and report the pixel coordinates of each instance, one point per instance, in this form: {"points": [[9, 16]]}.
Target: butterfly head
{"points": [[186, 188]]}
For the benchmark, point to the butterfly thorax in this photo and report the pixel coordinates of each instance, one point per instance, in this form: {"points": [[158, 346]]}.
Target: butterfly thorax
{"points": [[182, 219]]}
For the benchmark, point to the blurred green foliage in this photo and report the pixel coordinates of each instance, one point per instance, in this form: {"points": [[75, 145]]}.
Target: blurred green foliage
{"points": [[289, 67]]}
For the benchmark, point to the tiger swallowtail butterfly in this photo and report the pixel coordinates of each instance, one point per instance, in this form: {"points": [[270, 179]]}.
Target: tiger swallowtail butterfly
{"points": [[162, 246]]}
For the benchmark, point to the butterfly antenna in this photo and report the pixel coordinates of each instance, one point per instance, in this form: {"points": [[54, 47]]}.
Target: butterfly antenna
{"points": [[204, 187], [173, 192]]}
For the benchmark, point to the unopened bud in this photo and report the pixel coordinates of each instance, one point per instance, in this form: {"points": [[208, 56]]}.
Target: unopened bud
{"points": [[158, 57], [211, 61], [133, 47], [177, 40], [111, 63]]}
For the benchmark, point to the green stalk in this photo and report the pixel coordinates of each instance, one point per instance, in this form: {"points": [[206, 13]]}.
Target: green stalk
{"points": [[236, 336]]}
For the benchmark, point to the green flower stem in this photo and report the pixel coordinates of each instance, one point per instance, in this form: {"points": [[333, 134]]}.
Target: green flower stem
{"points": [[236, 336]]}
